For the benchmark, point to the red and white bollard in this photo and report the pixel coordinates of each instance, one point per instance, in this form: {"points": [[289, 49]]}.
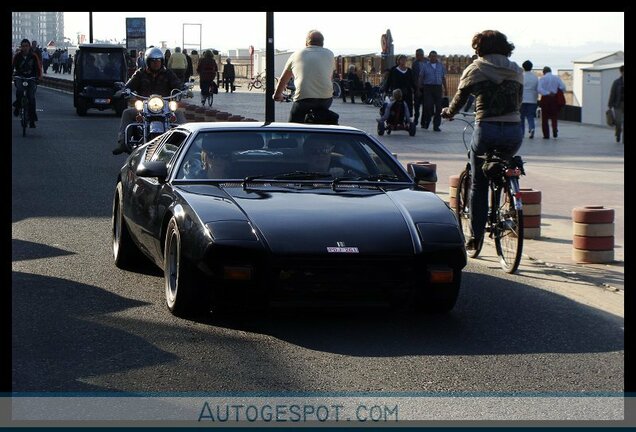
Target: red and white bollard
{"points": [[531, 200], [593, 234], [453, 185]]}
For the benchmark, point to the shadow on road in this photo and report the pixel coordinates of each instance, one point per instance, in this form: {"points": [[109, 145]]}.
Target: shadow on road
{"points": [[492, 317]]}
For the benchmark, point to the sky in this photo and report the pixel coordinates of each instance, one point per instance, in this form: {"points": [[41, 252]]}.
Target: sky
{"points": [[577, 34]]}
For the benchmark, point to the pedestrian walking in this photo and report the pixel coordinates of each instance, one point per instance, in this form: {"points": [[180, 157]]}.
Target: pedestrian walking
{"points": [[530, 98], [617, 103], [548, 87]]}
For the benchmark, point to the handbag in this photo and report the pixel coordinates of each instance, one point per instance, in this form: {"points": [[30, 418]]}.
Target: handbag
{"points": [[609, 117], [215, 88], [560, 98]]}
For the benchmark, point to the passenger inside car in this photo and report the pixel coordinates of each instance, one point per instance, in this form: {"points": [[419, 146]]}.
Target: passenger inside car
{"points": [[318, 151]]}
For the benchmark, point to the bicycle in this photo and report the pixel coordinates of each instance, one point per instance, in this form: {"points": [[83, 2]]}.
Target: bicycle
{"points": [[337, 91], [505, 210], [25, 82], [212, 90]]}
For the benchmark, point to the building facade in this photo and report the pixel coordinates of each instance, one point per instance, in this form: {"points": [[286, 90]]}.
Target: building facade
{"points": [[43, 27]]}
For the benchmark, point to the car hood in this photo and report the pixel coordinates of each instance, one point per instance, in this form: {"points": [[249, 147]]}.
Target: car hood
{"points": [[320, 220]]}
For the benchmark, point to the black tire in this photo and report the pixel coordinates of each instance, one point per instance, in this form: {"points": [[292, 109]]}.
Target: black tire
{"points": [[412, 129], [180, 277], [125, 252], [380, 129], [440, 298], [508, 232], [81, 108], [23, 121], [337, 91], [462, 210]]}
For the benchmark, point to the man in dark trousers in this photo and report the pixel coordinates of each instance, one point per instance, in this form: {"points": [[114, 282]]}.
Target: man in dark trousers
{"points": [[189, 70], [617, 103], [228, 75]]}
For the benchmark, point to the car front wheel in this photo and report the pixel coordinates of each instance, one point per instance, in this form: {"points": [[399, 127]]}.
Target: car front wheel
{"points": [[180, 276], [125, 252]]}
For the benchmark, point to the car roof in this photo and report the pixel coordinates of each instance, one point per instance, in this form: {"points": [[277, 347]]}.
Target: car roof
{"points": [[265, 126], [101, 47]]}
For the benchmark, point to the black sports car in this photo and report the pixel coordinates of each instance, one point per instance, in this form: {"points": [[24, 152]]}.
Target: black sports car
{"points": [[248, 213]]}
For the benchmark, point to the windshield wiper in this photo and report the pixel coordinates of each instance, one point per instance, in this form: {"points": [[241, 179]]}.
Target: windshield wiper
{"points": [[374, 177], [294, 175], [379, 177]]}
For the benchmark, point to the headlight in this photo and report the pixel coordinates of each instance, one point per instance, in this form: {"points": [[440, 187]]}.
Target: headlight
{"points": [[172, 105], [231, 230], [25, 83], [155, 105], [139, 105]]}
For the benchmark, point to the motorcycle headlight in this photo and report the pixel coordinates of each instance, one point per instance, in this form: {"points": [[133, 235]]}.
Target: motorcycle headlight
{"points": [[155, 105], [139, 105], [172, 105]]}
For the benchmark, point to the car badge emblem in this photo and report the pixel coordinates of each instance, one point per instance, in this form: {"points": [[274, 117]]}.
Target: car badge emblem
{"points": [[342, 248]]}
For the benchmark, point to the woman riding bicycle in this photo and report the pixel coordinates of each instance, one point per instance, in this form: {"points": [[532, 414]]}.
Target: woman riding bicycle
{"points": [[207, 69], [497, 84], [26, 65]]}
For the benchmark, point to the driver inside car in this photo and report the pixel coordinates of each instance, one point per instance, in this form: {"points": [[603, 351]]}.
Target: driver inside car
{"points": [[155, 78], [318, 152]]}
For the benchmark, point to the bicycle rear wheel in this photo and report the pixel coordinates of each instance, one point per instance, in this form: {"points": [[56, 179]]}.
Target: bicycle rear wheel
{"points": [[508, 231], [462, 210], [336, 89], [24, 116]]}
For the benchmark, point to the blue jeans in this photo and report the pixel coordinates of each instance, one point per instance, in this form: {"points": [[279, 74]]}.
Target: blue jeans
{"points": [[529, 112], [488, 135]]}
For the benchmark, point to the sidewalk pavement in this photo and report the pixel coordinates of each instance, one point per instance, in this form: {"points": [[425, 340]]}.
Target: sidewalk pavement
{"points": [[583, 166]]}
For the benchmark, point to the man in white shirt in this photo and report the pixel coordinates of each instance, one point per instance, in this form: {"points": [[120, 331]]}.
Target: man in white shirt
{"points": [[530, 97], [548, 86], [311, 69]]}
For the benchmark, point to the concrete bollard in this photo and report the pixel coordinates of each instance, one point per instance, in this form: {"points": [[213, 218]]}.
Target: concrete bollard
{"points": [[453, 185], [593, 234], [430, 186], [531, 200]]}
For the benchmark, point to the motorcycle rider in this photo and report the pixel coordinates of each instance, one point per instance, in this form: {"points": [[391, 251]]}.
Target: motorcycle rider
{"points": [[155, 78], [26, 64]]}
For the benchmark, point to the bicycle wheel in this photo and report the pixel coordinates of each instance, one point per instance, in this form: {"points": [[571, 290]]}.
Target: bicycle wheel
{"points": [[250, 85], [337, 91], [24, 115], [258, 84], [462, 210], [508, 231]]}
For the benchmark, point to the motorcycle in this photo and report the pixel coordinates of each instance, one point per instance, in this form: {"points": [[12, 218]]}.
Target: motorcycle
{"points": [[155, 115]]}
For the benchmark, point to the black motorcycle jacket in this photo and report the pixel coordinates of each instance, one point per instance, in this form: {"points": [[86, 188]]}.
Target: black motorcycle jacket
{"points": [[145, 83]]}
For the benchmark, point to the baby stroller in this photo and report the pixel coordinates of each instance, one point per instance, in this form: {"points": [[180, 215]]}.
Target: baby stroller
{"points": [[395, 115]]}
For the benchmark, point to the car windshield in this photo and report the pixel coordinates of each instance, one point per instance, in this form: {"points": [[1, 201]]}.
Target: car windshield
{"points": [[317, 156], [102, 65]]}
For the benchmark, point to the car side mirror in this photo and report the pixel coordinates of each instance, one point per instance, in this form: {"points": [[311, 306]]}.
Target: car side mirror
{"points": [[153, 169], [424, 173]]}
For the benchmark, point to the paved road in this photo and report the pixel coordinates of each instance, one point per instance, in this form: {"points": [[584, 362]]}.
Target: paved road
{"points": [[81, 324]]}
